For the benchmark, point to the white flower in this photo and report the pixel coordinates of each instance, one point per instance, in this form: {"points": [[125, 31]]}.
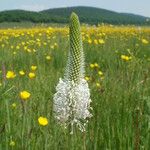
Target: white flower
{"points": [[72, 102]]}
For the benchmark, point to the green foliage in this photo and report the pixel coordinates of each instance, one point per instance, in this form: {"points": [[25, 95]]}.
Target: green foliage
{"points": [[88, 15]]}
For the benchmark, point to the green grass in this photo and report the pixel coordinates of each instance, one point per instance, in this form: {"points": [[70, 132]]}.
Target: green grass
{"points": [[121, 110], [26, 24]]}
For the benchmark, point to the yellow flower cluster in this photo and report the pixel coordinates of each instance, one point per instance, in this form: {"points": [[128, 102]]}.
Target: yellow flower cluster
{"points": [[11, 74], [96, 75]]}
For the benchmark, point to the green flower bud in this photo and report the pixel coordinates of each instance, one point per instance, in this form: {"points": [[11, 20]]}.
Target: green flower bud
{"points": [[75, 65]]}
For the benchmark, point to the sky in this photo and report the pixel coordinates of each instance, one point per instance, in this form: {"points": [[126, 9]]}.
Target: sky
{"points": [[141, 7]]}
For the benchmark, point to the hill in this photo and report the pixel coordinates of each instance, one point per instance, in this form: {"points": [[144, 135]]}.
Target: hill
{"points": [[88, 15]]}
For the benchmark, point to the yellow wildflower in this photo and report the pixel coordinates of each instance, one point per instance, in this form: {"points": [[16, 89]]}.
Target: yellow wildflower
{"points": [[10, 75], [52, 47], [29, 50], [96, 65], [126, 58], [14, 53], [3, 45], [104, 33], [25, 47], [38, 40], [100, 73], [17, 47], [31, 75], [55, 44], [98, 85], [144, 41], [33, 68], [43, 121], [44, 43], [21, 72], [101, 41], [25, 95], [13, 105], [87, 78], [11, 46], [23, 43], [95, 42], [12, 143], [92, 65], [89, 41], [48, 57]]}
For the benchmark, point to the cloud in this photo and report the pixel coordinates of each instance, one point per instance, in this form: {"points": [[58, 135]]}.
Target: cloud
{"points": [[34, 7]]}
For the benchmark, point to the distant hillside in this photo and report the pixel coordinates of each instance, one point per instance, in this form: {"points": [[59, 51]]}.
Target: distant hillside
{"points": [[22, 15], [88, 15]]}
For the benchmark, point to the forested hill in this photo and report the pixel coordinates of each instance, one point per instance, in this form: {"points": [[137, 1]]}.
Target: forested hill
{"points": [[88, 15]]}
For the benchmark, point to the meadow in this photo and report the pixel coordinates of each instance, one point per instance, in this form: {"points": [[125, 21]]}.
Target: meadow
{"points": [[118, 73]]}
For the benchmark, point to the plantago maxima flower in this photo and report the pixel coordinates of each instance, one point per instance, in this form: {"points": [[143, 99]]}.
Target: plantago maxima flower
{"points": [[72, 97]]}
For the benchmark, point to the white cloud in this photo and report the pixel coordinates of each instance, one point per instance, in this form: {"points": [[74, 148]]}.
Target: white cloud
{"points": [[34, 7]]}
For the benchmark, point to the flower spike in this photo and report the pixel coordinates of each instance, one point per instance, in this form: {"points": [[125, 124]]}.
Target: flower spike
{"points": [[72, 97]]}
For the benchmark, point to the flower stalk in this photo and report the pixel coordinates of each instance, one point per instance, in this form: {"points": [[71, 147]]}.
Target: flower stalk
{"points": [[72, 97]]}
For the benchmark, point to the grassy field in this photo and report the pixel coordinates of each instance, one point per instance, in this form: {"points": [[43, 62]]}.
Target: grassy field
{"points": [[118, 73]]}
